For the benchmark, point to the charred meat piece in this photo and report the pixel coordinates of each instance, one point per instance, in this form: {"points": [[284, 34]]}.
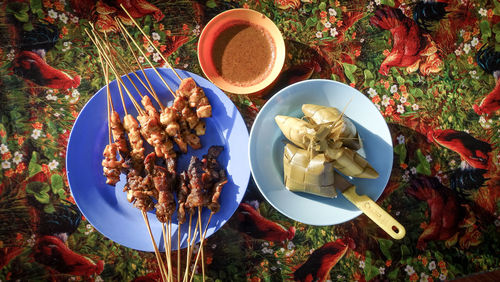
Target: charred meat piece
{"points": [[139, 189], [215, 175], [182, 195], [163, 182], [198, 197]]}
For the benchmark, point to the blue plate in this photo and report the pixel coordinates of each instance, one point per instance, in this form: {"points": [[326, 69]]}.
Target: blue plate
{"points": [[107, 208], [267, 143]]}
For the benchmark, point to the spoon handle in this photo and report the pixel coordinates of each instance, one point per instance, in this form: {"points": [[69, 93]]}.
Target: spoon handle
{"points": [[375, 213]]}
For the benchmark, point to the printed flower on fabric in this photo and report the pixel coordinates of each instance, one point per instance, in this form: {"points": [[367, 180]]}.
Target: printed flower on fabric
{"points": [[53, 14], [18, 157], [372, 92], [334, 32], [53, 165], [155, 36], [4, 149], [5, 164], [409, 270]]}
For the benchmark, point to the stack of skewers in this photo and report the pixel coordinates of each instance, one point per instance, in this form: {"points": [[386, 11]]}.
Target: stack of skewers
{"points": [[153, 183]]}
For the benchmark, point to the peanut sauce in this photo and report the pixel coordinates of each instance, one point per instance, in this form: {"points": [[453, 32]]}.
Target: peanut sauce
{"points": [[243, 54]]}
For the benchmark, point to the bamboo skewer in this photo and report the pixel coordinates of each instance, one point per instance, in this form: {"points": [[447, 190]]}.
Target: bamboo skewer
{"points": [[146, 58], [179, 251], [201, 248], [157, 252], [119, 79], [188, 247], [106, 71], [150, 42], [122, 64], [190, 253], [169, 233], [140, 66]]}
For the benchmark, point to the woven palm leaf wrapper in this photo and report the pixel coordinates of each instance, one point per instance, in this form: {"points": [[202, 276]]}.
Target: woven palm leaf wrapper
{"points": [[341, 127], [349, 162], [323, 142], [298, 131], [306, 171]]}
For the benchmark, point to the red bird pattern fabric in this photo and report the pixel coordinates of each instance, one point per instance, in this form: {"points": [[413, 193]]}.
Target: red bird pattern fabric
{"points": [[31, 66], [259, 227], [431, 68], [321, 261]]}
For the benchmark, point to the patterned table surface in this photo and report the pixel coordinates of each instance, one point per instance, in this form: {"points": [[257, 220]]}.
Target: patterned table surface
{"points": [[431, 67]]}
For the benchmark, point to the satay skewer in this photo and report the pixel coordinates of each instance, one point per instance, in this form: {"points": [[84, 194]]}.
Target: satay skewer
{"points": [[146, 220]]}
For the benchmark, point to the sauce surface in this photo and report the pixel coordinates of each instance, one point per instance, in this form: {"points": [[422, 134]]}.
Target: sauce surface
{"points": [[243, 54]]}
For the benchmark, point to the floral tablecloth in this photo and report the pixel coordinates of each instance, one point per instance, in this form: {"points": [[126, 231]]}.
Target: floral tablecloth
{"points": [[431, 67]]}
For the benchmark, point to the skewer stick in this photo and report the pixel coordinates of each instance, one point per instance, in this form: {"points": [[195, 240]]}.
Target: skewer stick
{"points": [[153, 93], [150, 42], [107, 45], [108, 97], [190, 252], [166, 237], [201, 249], [188, 248], [164, 241], [146, 58], [122, 64], [118, 78], [179, 251], [157, 252], [169, 233]]}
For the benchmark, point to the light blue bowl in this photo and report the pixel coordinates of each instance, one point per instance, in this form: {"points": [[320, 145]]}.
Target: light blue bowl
{"points": [[267, 143]]}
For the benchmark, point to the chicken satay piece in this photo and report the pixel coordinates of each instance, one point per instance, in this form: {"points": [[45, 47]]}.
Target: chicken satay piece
{"points": [[111, 165], [181, 104], [189, 137], [118, 133], [169, 118], [182, 194], [210, 163], [152, 131], [200, 128], [196, 97], [134, 136]]}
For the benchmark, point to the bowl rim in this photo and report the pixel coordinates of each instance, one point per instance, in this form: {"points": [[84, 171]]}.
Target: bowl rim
{"points": [[278, 40]]}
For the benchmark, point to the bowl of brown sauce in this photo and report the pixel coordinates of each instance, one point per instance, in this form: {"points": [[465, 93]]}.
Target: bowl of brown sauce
{"points": [[241, 51]]}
